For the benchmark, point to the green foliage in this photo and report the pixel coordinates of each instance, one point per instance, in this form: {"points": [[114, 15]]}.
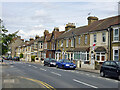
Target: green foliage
{"points": [[21, 55], [5, 39], [33, 57]]}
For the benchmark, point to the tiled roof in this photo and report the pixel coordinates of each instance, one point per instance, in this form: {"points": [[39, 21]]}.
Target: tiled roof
{"points": [[95, 26]]}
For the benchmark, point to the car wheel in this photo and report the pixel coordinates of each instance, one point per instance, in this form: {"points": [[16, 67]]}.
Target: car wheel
{"points": [[49, 65], [44, 64], [102, 74], [62, 66]]}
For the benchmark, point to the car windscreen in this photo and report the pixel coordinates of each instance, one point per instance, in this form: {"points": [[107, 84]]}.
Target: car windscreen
{"points": [[67, 61], [118, 63], [52, 60]]}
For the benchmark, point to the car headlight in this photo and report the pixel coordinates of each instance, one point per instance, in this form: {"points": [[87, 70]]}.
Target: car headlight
{"points": [[67, 64], [74, 65], [51, 63]]}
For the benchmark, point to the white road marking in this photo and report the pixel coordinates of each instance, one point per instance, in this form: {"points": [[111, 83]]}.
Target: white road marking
{"points": [[29, 65], [93, 76], [56, 73], [81, 73], [84, 83], [11, 66], [77, 72], [43, 69], [88, 74], [9, 81], [34, 66]]}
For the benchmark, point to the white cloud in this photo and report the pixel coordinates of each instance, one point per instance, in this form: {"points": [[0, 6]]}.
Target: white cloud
{"points": [[36, 30], [40, 13], [62, 27]]}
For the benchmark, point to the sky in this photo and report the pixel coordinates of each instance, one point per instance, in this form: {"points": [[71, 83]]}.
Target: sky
{"points": [[32, 18]]}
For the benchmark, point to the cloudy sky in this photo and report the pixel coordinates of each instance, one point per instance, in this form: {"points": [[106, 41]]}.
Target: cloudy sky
{"points": [[32, 18]]}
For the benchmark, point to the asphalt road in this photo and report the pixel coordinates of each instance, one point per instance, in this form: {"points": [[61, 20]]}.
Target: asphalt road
{"points": [[31, 75]]}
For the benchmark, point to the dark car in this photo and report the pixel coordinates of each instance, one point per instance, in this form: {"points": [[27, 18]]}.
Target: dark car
{"points": [[65, 63], [110, 68], [16, 59], [9, 58], [49, 62]]}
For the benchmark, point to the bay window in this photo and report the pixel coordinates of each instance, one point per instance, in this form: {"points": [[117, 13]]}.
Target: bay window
{"points": [[100, 56], [116, 35], [116, 55]]}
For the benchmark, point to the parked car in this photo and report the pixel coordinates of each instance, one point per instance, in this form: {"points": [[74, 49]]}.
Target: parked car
{"points": [[16, 59], [9, 58], [49, 62], [66, 64], [110, 68]]}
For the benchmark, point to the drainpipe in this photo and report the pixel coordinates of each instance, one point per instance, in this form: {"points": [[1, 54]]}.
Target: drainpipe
{"points": [[109, 43]]}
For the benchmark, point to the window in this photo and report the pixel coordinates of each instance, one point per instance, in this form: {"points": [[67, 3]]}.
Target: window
{"points": [[95, 40], [41, 45], [85, 39], [104, 37], [85, 56], [100, 56], [116, 55], [72, 42], [116, 35], [71, 56], [107, 63], [66, 42], [79, 40], [61, 43]]}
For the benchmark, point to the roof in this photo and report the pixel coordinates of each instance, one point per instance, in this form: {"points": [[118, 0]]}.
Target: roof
{"points": [[102, 24]]}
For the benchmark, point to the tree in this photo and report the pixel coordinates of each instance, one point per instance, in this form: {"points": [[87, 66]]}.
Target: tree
{"points": [[5, 39], [21, 55]]}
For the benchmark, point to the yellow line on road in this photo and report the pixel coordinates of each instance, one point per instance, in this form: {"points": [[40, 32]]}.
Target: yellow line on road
{"points": [[41, 82]]}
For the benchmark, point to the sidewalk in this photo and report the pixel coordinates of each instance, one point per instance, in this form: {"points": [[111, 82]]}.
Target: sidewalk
{"points": [[88, 70]]}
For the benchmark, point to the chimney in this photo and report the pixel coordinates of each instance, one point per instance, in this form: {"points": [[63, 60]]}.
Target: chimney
{"points": [[46, 32], [19, 37], [56, 29], [31, 39], [69, 26], [91, 19], [26, 41], [36, 37]]}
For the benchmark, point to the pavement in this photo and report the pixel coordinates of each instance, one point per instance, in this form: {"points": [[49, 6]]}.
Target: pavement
{"points": [[32, 74]]}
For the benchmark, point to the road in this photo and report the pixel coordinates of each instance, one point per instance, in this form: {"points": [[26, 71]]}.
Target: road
{"points": [[31, 75]]}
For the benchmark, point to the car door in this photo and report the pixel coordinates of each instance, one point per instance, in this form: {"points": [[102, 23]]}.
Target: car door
{"points": [[106, 67], [113, 69], [60, 63]]}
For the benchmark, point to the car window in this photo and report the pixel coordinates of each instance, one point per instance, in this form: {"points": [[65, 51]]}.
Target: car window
{"points": [[60, 61], [47, 59], [107, 63], [113, 64], [67, 61]]}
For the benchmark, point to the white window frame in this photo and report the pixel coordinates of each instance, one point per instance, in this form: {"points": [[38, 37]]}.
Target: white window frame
{"points": [[104, 36], [61, 43], [67, 42], [85, 39], [114, 34], [100, 56], [114, 54]]}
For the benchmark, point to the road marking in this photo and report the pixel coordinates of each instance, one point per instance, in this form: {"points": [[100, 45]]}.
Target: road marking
{"points": [[88, 74], [29, 65], [81, 73], [93, 76], [56, 73], [11, 66], [34, 66], [43, 69], [84, 83], [41, 82], [9, 81], [76, 72]]}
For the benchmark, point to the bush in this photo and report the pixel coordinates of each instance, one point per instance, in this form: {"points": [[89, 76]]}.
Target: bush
{"points": [[21, 55], [33, 57]]}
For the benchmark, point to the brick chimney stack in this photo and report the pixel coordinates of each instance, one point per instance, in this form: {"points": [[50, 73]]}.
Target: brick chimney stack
{"points": [[91, 19]]}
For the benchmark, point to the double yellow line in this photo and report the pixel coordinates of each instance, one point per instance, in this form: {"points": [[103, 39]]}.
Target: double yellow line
{"points": [[45, 85]]}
